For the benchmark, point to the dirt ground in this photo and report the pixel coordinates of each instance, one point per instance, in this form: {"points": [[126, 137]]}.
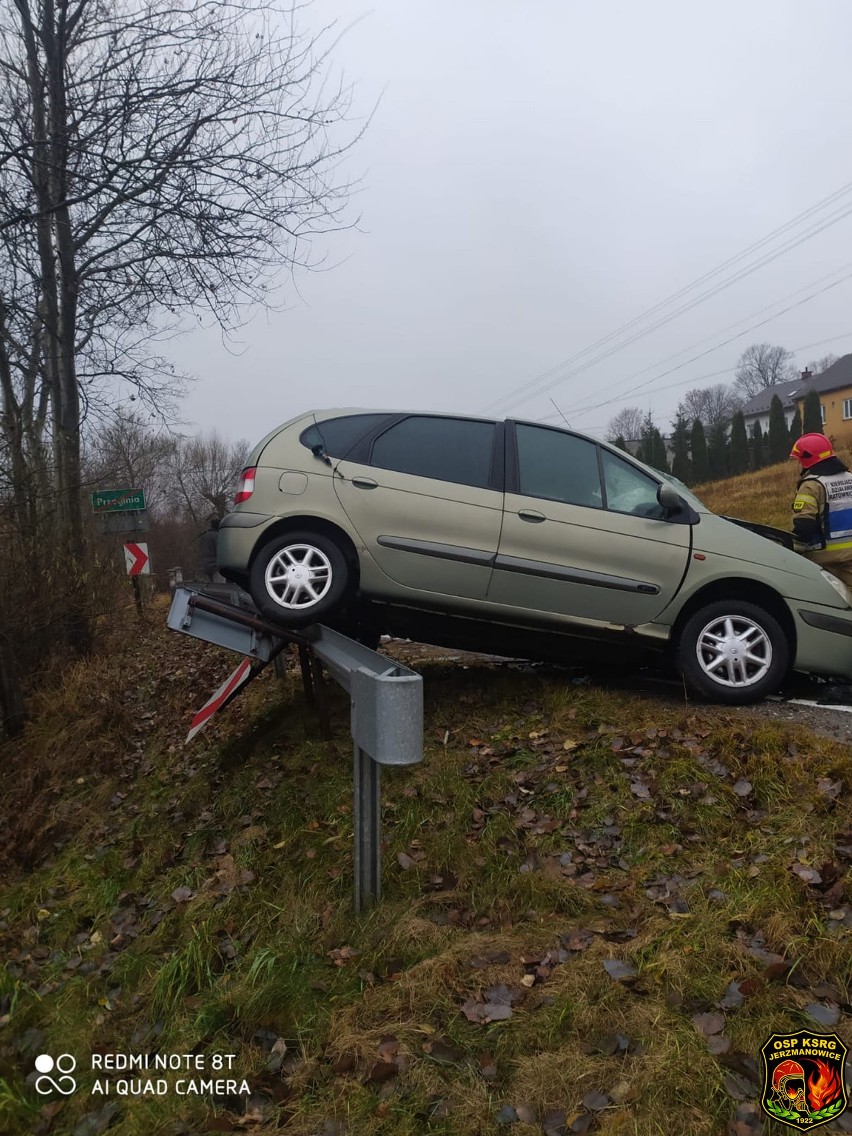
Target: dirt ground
{"points": [[790, 705]]}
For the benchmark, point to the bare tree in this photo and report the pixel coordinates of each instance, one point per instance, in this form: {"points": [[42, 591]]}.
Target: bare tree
{"points": [[710, 405], [817, 366], [128, 452], [627, 424], [761, 366], [156, 157], [204, 472]]}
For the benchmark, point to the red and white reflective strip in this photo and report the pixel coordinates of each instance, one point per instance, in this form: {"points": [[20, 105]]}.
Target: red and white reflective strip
{"points": [[231, 684], [245, 488]]}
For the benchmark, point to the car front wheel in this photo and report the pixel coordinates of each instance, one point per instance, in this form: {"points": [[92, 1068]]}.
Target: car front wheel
{"points": [[298, 578], [733, 651]]}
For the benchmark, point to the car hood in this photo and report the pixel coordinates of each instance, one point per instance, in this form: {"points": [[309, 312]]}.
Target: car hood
{"points": [[777, 536], [719, 536]]}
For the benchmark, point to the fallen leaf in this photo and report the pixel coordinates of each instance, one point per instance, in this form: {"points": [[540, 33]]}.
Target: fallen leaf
{"points": [[381, 1071], [825, 1015], [596, 1101], [277, 1055], [183, 894], [487, 1067], [829, 788], [344, 1065], [485, 1012], [553, 1123], [619, 970], [708, 1024], [442, 1049], [738, 1087], [732, 999], [388, 1048], [809, 875], [342, 955]]}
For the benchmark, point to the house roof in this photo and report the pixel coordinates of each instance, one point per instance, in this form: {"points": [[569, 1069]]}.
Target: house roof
{"points": [[836, 376]]}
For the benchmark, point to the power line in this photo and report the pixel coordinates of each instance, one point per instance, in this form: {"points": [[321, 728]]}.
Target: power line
{"points": [[721, 331], [548, 386], [702, 354], [707, 276], [711, 374]]}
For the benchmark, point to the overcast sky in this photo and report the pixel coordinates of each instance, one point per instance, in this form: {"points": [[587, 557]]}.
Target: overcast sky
{"points": [[536, 176]]}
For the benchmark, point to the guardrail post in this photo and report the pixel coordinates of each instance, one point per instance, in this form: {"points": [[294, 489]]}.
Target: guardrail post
{"points": [[386, 702], [367, 820]]}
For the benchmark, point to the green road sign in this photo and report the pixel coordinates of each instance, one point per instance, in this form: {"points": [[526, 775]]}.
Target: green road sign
{"points": [[118, 500]]}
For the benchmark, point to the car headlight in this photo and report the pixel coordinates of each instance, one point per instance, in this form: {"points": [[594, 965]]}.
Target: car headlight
{"points": [[838, 586]]}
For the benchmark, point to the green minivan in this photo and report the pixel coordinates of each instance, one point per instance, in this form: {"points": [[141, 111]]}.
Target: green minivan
{"points": [[522, 539]]}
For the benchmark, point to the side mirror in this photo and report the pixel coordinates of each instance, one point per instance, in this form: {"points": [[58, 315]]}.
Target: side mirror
{"points": [[668, 497]]}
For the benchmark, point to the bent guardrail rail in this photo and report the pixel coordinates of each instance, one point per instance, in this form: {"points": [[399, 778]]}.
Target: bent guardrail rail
{"points": [[386, 700]]}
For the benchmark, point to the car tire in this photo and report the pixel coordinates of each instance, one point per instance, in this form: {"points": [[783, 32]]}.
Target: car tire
{"points": [[712, 657], [299, 578]]}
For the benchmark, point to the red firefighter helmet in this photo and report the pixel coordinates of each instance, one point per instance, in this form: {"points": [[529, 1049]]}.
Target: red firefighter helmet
{"points": [[784, 1070], [810, 449]]}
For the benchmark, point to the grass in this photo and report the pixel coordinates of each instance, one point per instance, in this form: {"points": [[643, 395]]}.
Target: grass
{"points": [[666, 868], [765, 496]]}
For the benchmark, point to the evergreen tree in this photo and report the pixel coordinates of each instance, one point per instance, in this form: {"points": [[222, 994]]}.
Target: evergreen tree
{"points": [[758, 455], [645, 450], [717, 451], [812, 416], [739, 444], [796, 430], [779, 435], [620, 444], [659, 456], [700, 468], [681, 465]]}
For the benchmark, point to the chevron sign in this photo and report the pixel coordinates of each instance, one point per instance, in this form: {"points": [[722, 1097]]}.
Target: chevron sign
{"points": [[137, 560]]}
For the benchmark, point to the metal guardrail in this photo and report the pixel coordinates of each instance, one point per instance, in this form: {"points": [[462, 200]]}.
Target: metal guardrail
{"points": [[386, 701]]}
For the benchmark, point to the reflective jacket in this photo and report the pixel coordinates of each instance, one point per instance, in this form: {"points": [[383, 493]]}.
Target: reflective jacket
{"points": [[828, 499]]}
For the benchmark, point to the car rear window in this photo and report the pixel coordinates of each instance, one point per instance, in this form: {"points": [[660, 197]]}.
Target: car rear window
{"points": [[338, 435], [446, 449]]}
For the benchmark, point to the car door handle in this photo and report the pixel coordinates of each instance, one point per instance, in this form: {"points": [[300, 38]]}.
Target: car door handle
{"points": [[531, 515], [364, 483]]}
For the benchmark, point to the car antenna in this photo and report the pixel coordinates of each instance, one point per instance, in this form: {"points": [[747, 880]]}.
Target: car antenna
{"points": [[564, 419]]}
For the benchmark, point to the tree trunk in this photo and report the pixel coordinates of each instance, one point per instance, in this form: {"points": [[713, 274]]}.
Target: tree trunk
{"points": [[59, 300]]}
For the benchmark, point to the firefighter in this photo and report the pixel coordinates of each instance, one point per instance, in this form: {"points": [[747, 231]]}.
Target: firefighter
{"points": [[822, 509]]}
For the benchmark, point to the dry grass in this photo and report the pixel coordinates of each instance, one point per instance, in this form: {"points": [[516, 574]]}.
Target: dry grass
{"points": [[237, 967], [764, 496]]}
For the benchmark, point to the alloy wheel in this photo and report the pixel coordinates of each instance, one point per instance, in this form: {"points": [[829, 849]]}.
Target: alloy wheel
{"points": [[298, 576]]}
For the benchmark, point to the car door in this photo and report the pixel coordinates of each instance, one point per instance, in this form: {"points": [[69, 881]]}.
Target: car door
{"points": [[427, 502], [583, 534]]}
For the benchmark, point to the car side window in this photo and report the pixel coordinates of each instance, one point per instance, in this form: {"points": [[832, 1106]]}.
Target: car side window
{"points": [[558, 466], [629, 490], [446, 449], [338, 435]]}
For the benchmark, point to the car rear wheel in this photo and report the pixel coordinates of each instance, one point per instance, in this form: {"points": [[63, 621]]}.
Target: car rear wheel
{"points": [[298, 578], [733, 651]]}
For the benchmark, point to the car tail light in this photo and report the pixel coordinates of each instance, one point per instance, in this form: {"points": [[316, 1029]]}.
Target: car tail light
{"points": [[245, 488]]}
